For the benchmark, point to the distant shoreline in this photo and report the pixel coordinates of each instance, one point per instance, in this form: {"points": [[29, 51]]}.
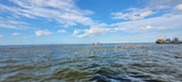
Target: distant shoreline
{"points": [[75, 44]]}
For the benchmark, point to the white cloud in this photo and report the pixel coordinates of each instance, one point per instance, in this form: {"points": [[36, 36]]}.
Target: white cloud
{"points": [[43, 32], [162, 4], [91, 31], [139, 26], [156, 23], [12, 24], [63, 12], [132, 14], [178, 8], [66, 13], [152, 7], [1, 35], [62, 31], [139, 21], [76, 32], [169, 18], [15, 34]]}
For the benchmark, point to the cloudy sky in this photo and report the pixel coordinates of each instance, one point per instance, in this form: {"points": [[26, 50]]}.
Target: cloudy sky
{"points": [[87, 21]]}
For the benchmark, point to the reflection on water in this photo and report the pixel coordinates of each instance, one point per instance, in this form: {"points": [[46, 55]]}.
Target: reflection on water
{"points": [[87, 63]]}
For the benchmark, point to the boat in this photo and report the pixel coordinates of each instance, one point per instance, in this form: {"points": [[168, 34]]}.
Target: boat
{"points": [[175, 40]]}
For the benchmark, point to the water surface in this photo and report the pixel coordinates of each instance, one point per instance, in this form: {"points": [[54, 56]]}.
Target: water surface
{"points": [[87, 63]]}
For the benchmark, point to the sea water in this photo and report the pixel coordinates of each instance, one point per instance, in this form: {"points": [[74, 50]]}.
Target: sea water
{"points": [[144, 62]]}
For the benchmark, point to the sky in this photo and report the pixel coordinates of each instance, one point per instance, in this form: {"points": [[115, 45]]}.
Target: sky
{"points": [[88, 21]]}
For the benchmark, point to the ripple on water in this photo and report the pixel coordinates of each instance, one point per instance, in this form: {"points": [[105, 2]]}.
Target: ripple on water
{"points": [[86, 63]]}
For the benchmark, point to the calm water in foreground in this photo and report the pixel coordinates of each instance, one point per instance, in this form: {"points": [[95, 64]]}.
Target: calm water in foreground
{"points": [[87, 63]]}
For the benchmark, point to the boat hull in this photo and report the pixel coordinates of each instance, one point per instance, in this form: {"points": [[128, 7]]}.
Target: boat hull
{"points": [[168, 42]]}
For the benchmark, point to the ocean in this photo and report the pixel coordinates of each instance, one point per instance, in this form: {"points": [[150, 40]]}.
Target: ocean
{"points": [[132, 62]]}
